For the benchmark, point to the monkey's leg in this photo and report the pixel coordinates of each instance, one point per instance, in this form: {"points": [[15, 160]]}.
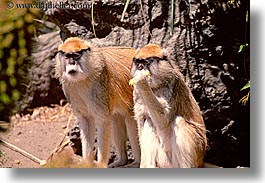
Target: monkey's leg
{"points": [[155, 108], [104, 129], [187, 152], [132, 132], [149, 146], [87, 133], [119, 138]]}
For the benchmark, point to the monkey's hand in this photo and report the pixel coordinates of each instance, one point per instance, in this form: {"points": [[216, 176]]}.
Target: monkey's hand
{"points": [[139, 76]]}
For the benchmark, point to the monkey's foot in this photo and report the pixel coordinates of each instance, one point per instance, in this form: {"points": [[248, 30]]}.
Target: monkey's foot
{"points": [[100, 164], [93, 164], [134, 164], [118, 163]]}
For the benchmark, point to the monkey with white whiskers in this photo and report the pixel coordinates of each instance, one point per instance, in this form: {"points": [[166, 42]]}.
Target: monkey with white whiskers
{"points": [[95, 82], [171, 129]]}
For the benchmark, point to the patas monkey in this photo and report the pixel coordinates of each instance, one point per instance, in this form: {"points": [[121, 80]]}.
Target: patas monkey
{"points": [[95, 81], [172, 133]]}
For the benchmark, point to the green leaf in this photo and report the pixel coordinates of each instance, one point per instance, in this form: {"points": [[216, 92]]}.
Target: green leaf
{"points": [[244, 99], [242, 47], [246, 86]]}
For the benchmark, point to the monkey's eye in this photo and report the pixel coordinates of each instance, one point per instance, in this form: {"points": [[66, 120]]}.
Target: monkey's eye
{"points": [[153, 59], [74, 55], [141, 61]]}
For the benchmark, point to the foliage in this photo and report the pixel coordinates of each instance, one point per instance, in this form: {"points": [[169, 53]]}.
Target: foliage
{"points": [[16, 32], [242, 48], [246, 86], [244, 99]]}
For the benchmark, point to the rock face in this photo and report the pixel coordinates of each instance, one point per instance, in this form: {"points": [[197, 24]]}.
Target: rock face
{"points": [[202, 37], [44, 88]]}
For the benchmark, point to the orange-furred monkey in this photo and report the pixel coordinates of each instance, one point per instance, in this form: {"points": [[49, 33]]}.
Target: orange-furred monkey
{"points": [[172, 133], [95, 82]]}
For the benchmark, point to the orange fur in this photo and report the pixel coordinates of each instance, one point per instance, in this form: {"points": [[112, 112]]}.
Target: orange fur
{"points": [[73, 44], [150, 50], [118, 61]]}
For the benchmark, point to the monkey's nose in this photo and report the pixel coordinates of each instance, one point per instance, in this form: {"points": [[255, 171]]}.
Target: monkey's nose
{"points": [[71, 62]]}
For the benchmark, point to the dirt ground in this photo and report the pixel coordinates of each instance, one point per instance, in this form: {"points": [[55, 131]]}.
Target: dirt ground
{"points": [[38, 134]]}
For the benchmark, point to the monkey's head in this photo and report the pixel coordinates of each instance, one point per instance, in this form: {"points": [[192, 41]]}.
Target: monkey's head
{"points": [[151, 59], [71, 60]]}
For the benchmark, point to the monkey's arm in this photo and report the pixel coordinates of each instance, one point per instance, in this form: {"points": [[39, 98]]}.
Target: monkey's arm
{"points": [[156, 109]]}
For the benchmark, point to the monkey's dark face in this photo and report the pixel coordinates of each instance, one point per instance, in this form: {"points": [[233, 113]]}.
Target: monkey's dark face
{"points": [[149, 64], [72, 65], [141, 64], [154, 65]]}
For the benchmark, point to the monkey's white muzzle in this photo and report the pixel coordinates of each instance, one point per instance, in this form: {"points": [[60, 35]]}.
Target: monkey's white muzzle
{"points": [[73, 69], [73, 73]]}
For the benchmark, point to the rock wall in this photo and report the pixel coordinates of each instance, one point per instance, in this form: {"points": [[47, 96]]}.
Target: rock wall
{"points": [[204, 41]]}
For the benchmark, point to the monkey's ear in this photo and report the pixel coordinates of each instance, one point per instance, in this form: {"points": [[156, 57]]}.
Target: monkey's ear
{"points": [[60, 46], [87, 44], [58, 51], [164, 50], [136, 53], [165, 53]]}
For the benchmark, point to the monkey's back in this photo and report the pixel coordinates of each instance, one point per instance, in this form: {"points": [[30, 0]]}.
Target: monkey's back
{"points": [[118, 61]]}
